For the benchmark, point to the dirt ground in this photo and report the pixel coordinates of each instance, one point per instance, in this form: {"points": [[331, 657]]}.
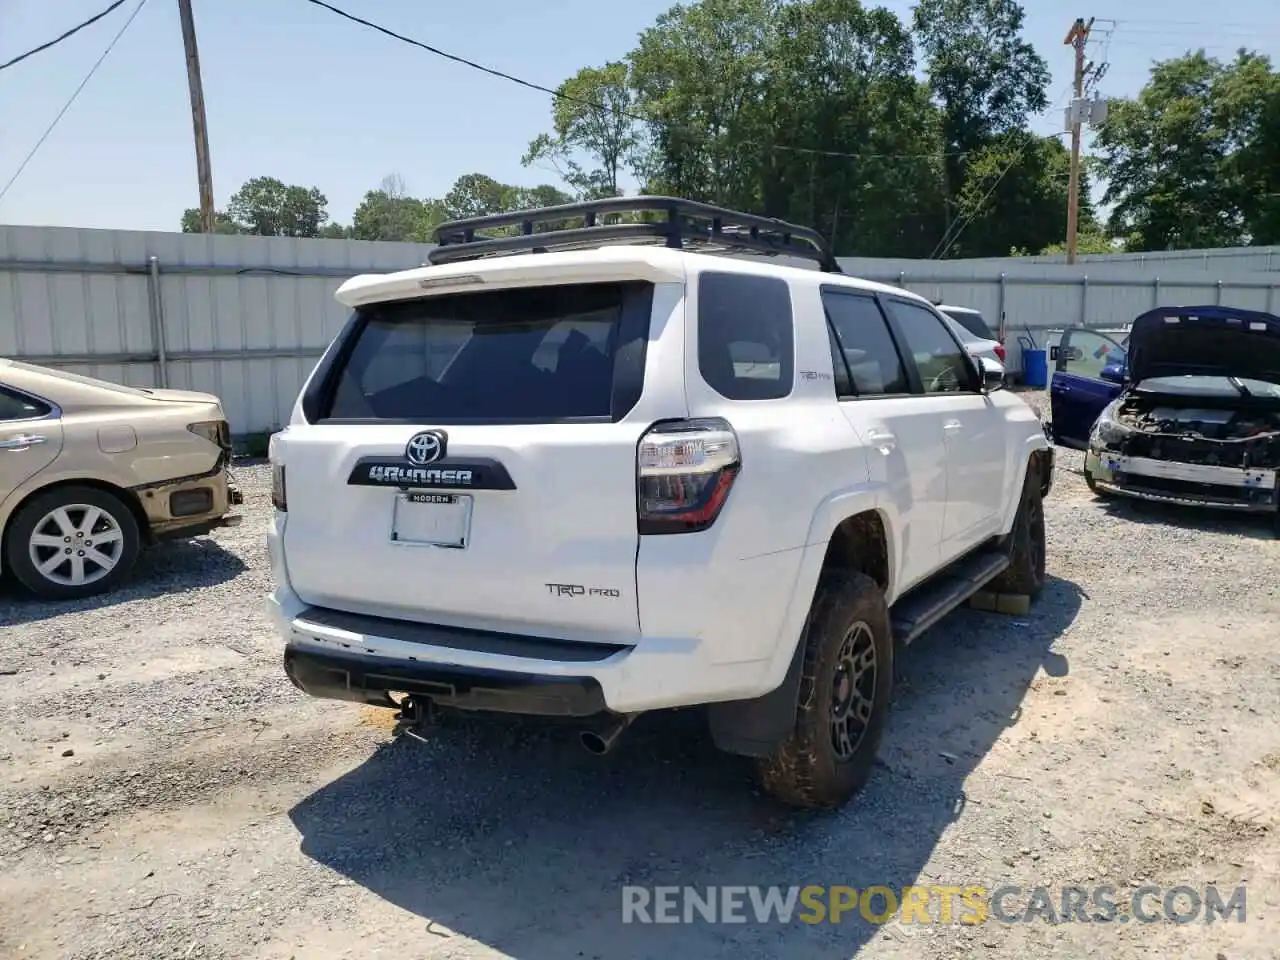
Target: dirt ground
{"points": [[164, 792]]}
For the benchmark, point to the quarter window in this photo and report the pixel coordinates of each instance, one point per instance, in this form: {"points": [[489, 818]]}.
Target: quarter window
{"points": [[745, 341]]}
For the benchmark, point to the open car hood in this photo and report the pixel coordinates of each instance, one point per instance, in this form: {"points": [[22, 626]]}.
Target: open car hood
{"points": [[1204, 341]]}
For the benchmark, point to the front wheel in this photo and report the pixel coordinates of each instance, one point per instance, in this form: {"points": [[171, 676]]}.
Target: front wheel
{"points": [[843, 704], [72, 542], [1026, 571]]}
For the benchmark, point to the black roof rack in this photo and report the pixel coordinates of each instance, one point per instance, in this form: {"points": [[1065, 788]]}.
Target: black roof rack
{"points": [[679, 224]]}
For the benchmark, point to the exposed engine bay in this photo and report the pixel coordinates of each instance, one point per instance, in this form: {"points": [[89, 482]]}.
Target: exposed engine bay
{"points": [[1224, 432]]}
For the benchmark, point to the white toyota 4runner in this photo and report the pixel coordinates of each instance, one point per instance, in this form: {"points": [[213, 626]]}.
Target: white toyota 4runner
{"points": [[624, 476]]}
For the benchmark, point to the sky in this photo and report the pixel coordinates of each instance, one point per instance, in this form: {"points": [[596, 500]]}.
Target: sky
{"points": [[294, 92]]}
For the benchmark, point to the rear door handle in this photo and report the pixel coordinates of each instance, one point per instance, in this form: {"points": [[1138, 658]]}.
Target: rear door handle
{"points": [[21, 442], [951, 426], [884, 441]]}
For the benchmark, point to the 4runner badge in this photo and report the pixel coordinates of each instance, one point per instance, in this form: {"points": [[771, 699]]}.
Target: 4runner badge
{"points": [[426, 447]]}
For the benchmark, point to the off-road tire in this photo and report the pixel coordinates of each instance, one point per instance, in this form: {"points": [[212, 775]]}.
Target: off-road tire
{"points": [[18, 538], [1025, 574], [807, 770]]}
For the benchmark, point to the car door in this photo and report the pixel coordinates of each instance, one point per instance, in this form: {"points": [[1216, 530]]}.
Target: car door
{"points": [[30, 438], [973, 426], [1078, 392], [901, 429]]}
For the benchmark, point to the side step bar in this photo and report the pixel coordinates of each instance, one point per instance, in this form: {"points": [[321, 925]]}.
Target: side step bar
{"points": [[928, 603]]}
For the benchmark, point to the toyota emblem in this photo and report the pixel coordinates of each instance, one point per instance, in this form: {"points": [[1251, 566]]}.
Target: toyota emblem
{"points": [[426, 447]]}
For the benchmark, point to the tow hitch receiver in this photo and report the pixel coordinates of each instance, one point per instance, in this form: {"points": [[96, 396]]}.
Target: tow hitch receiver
{"points": [[416, 716]]}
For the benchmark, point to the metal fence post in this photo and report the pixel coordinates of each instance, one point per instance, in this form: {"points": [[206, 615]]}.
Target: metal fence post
{"points": [[156, 302], [1084, 300], [1000, 318], [1155, 292], [1217, 293]]}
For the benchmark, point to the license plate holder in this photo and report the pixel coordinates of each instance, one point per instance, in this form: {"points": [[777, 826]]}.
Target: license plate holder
{"points": [[431, 519]]}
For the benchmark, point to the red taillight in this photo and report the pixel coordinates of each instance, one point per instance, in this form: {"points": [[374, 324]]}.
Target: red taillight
{"points": [[999, 348], [684, 472]]}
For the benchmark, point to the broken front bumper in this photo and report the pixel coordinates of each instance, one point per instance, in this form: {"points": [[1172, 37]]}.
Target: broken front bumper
{"points": [[1193, 484]]}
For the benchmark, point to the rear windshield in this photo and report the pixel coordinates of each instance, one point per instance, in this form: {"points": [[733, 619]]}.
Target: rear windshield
{"points": [[530, 354], [972, 322]]}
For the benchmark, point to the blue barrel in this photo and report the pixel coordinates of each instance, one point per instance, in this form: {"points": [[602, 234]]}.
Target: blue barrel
{"points": [[1035, 368]]}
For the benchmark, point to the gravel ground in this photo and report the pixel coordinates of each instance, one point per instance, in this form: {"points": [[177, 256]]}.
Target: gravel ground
{"points": [[164, 792]]}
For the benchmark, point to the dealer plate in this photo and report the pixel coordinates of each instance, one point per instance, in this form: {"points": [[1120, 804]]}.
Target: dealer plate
{"points": [[428, 518]]}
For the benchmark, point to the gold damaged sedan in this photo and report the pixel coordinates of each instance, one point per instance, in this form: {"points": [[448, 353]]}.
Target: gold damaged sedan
{"points": [[91, 472]]}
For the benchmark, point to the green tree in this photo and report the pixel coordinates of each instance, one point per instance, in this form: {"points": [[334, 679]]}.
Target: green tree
{"points": [[1248, 97], [335, 231], [267, 207], [476, 195], [986, 79], [592, 120], [701, 73], [1190, 162], [1091, 241], [867, 172], [221, 222], [807, 110], [1015, 195], [388, 213]]}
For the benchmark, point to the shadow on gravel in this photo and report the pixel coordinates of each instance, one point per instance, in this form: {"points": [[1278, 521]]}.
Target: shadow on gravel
{"points": [[1197, 519], [512, 835], [171, 567]]}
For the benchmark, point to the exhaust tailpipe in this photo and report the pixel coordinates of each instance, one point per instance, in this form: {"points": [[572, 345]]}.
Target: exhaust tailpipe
{"points": [[601, 740]]}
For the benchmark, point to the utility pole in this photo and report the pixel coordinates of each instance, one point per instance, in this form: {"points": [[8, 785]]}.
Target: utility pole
{"points": [[199, 124], [1077, 37]]}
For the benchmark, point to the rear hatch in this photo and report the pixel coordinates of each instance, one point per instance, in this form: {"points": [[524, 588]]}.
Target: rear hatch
{"points": [[468, 461]]}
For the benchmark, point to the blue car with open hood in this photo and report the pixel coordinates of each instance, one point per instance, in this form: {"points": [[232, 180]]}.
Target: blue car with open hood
{"points": [[1186, 411]]}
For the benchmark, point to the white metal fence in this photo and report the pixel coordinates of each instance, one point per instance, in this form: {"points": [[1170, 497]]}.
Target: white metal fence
{"points": [[247, 317]]}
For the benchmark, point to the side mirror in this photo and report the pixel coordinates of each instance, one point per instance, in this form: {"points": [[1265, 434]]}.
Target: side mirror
{"points": [[992, 374], [1113, 372]]}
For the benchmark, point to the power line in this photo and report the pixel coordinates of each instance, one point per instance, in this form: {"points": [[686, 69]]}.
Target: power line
{"points": [[67, 106], [57, 40], [1215, 24], [948, 239], [531, 85]]}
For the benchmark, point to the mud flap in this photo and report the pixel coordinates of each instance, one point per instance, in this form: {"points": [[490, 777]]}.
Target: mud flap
{"points": [[757, 727]]}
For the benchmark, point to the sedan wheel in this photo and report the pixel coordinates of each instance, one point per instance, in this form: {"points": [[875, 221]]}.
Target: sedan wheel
{"points": [[72, 542], [76, 545]]}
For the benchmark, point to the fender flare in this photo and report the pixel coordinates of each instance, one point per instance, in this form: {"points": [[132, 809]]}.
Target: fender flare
{"points": [[758, 726], [1033, 445]]}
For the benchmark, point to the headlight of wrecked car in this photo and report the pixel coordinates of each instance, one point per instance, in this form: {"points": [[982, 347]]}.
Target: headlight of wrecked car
{"points": [[1107, 432]]}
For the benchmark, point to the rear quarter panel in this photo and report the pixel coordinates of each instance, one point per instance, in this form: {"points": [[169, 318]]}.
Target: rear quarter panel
{"points": [[736, 586], [125, 448]]}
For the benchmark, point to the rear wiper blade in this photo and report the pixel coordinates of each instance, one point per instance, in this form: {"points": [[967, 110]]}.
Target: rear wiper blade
{"points": [[1244, 391]]}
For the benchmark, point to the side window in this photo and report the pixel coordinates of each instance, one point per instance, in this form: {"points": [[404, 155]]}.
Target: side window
{"points": [[943, 365], [16, 406], [873, 362], [746, 344], [1086, 353]]}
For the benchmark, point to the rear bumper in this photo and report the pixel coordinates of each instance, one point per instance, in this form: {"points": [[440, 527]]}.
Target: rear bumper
{"points": [[344, 656], [190, 506], [363, 679], [1190, 484]]}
